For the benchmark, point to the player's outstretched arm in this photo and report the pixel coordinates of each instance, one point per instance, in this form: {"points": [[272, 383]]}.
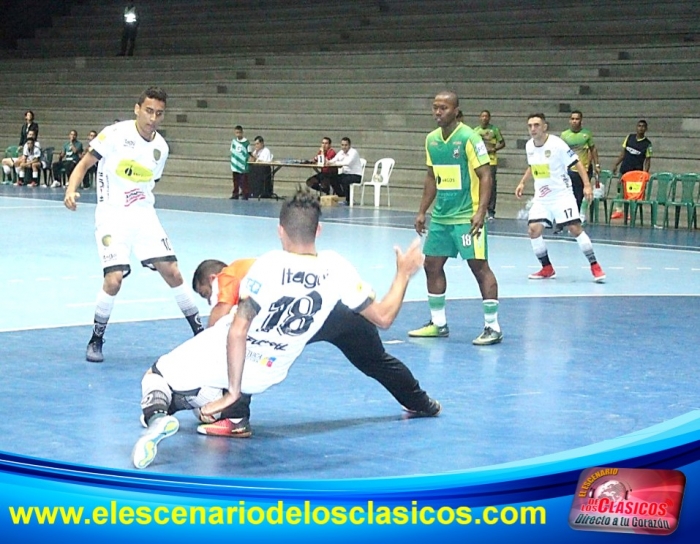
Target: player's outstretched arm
{"points": [[235, 356], [70, 200], [383, 313]]}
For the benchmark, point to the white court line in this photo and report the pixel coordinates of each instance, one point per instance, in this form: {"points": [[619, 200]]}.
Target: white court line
{"points": [[87, 323], [120, 302], [3, 208], [669, 268]]}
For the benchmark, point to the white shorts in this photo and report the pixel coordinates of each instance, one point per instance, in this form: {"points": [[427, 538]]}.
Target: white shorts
{"points": [[119, 232], [560, 208], [201, 362]]}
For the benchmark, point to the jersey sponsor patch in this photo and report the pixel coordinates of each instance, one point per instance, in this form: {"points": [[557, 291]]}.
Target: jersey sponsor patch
{"points": [[134, 195], [133, 171], [481, 149], [253, 286], [540, 171], [448, 177]]}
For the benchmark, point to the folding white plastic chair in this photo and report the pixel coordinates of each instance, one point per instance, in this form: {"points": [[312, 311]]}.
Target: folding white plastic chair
{"points": [[363, 163], [380, 178]]}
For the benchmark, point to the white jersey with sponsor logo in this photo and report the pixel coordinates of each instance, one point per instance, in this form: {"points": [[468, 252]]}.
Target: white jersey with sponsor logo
{"points": [[294, 294], [549, 164], [129, 166]]}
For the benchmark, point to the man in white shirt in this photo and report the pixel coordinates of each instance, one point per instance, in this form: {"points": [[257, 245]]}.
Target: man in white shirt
{"points": [[131, 157], [29, 160], [549, 160], [261, 180], [260, 152], [351, 171]]}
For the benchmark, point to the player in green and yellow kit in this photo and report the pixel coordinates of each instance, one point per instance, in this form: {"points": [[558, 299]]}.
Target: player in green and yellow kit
{"points": [[493, 139], [459, 181], [580, 140]]}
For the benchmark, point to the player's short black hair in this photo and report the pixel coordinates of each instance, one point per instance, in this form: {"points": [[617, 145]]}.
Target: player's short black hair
{"points": [[540, 115], [346, 139], [238, 127], [259, 139], [155, 93], [300, 215], [204, 270], [576, 112], [643, 121], [327, 138]]}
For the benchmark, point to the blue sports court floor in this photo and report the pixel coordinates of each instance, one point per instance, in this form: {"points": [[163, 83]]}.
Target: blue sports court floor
{"points": [[581, 362]]}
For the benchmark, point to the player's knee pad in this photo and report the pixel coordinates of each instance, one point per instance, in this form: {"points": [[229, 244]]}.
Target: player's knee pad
{"points": [[156, 395]]}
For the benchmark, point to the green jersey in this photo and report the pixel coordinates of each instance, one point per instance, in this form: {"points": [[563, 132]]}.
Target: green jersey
{"points": [[580, 143], [68, 154], [239, 155], [454, 162], [491, 135]]}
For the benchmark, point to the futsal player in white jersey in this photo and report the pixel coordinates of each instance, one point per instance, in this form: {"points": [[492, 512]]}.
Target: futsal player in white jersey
{"points": [[549, 159], [285, 298], [130, 157]]}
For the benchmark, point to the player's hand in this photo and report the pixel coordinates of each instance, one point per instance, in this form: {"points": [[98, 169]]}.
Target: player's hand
{"points": [[419, 224], [519, 190], [588, 192], [477, 223], [216, 406], [70, 200], [410, 262]]}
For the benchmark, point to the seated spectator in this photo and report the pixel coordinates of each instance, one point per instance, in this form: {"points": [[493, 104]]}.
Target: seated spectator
{"points": [[327, 178], [260, 152], [260, 176], [351, 172], [30, 159], [11, 163], [69, 157], [29, 125], [92, 172]]}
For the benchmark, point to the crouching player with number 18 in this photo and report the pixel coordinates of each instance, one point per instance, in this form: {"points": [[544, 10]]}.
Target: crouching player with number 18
{"points": [[252, 349]]}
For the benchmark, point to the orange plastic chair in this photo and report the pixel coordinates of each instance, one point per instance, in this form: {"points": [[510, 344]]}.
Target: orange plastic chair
{"points": [[634, 188]]}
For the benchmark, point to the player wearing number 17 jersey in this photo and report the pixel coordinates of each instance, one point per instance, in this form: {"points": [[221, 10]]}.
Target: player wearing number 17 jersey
{"points": [[550, 159]]}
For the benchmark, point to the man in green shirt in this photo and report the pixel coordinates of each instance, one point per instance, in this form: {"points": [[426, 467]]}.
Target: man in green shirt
{"points": [[459, 181], [580, 140], [494, 142], [69, 157]]}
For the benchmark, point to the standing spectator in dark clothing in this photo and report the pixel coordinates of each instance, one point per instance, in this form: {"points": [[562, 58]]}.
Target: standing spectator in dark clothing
{"points": [[131, 26], [70, 155], [28, 125], [635, 155], [636, 151]]}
